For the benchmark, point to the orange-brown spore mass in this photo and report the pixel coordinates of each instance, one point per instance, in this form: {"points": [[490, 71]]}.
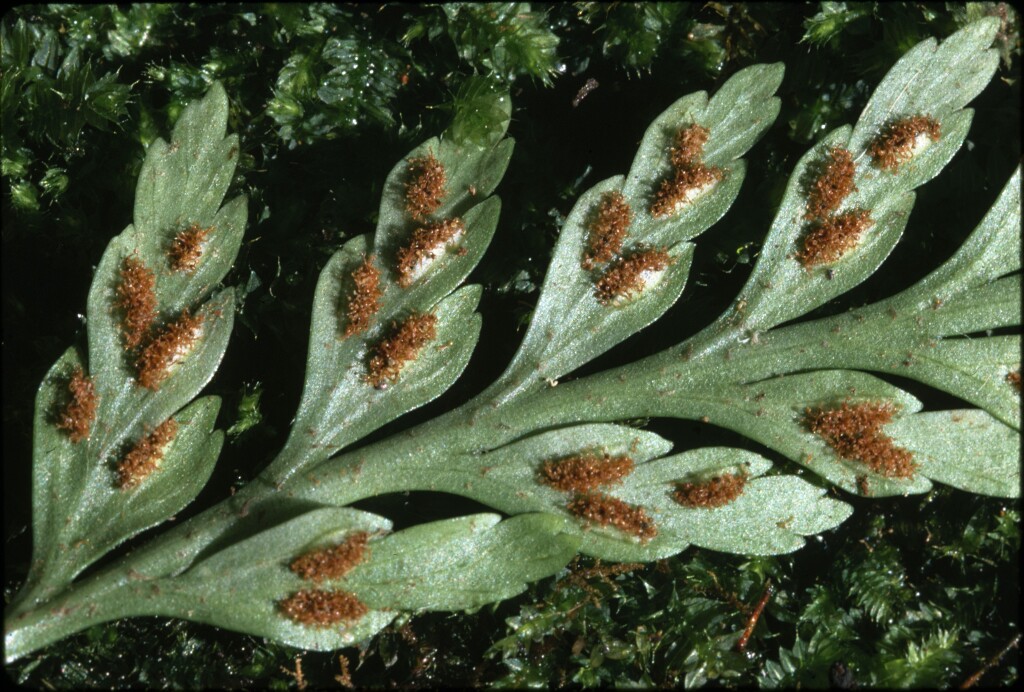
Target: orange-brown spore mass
{"points": [[426, 243], [834, 237], [78, 414], [144, 458], [1013, 377], [319, 608], [402, 346], [714, 492], [690, 172], [425, 189], [833, 185], [585, 471], [689, 146], [333, 562], [167, 348], [610, 511], [187, 248], [363, 298], [608, 230], [137, 300], [677, 191], [895, 145], [855, 432], [625, 278]]}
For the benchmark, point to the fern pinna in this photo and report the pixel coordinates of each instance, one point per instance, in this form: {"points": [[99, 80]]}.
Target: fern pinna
{"points": [[121, 443]]}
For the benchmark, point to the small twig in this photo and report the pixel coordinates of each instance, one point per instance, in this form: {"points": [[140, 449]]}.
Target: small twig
{"points": [[989, 664], [741, 645], [297, 673], [345, 678]]}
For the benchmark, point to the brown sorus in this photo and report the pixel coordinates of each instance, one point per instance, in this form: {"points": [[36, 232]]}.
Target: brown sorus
{"points": [[714, 492], [833, 185], [364, 298], [78, 414], [167, 348], [608, 230], [585, 472], [319, 608], [676, 191], [426, 243], [895, 145], [424, 190], [333, 562], [1013, 377], [187, 248], [855, 432], [834, 237], [137, 301], [403, 345], [144, 458], [626, 277], [862, 486], [610, 511], [689, 146]]}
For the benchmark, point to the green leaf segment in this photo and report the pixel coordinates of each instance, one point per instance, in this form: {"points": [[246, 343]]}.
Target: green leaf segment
{"points": [[386, 339]]}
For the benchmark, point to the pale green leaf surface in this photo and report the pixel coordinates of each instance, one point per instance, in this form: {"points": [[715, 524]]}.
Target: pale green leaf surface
{"points": [[80, 511], [340, 405], [58, 465], [770, 517], [185, 181], [933, 80], [772, 413], [449, 268], [569, 326], [992, 250], [651, 164], [780, 287], [461, 563], [470, 169], [928, 161], [124, 405], [240, 587], [109, 515], [904, 343], [967, 449]]}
